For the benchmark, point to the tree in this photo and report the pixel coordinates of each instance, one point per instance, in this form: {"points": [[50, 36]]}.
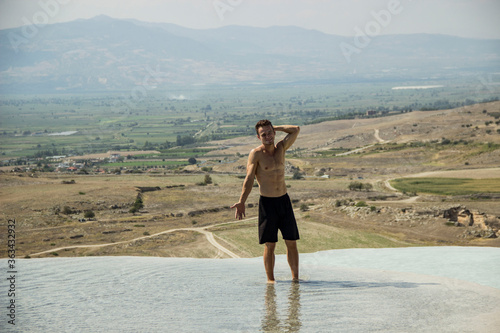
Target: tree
{"points": [[185, 140], [138, 204], [192, 160]]}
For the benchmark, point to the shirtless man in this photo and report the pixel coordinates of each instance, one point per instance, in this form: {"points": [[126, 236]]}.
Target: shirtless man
{"points": [[267, 163]]}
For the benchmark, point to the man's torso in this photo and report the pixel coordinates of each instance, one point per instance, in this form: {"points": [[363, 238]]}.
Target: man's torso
{"points": [[270, 171]]}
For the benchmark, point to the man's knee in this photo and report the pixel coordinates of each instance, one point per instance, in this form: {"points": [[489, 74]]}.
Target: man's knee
{"points": [[291, 244], [270, 246]]}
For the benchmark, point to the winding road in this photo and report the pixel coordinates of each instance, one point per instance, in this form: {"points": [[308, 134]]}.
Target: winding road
{"points": [[202, 230], [357, 150]]}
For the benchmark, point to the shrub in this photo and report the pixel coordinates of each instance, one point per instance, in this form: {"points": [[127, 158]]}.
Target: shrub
{"points": [[367, 187], [304, 207], [361, 204], [89, 214], [67, 210], [138, 204], [358, 186], [355, 186], [297, 175], [207, 180], [445, 141]]}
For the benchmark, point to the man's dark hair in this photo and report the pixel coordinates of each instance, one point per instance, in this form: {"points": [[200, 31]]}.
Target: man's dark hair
{"points": [[262, 123]]}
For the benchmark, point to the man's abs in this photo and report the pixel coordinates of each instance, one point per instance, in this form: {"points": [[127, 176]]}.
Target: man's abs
{"points": [[271, 184]]}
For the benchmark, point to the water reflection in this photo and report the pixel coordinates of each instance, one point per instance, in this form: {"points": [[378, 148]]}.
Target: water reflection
{"points": [[271, 321]]}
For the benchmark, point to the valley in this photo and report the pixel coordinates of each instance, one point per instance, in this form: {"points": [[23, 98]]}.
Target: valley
{"points": [[183, 215]]}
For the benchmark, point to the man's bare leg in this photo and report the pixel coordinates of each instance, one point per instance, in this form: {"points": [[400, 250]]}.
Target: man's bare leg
{"points": [[292, 254], [269, 261]]}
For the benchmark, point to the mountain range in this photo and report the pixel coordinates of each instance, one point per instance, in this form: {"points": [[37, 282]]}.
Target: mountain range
{"points": [[107, 54]]}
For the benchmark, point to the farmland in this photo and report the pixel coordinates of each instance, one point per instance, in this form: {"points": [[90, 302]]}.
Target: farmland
{"points": [[85, 124], [171, 142]]}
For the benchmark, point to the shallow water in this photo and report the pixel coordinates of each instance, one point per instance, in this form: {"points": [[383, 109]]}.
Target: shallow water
{"points": [[142, 294]]}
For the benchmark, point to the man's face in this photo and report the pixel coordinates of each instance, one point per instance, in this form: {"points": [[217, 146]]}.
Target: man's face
{"points": [[266, 135]]}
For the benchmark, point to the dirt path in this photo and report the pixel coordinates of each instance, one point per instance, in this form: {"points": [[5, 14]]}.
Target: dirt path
{"points": [[210, 237], [388, 185], [377, 137], [354, 151], [203, 230]]}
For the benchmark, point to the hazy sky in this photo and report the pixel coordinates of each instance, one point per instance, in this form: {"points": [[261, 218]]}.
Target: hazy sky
{"points": [[465, 18]]}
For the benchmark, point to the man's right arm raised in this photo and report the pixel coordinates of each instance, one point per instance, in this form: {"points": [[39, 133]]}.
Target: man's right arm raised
{"points": [[247, 185]]}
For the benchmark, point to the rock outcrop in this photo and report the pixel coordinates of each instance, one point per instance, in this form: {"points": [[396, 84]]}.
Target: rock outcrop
{"points": [[476, 223]]}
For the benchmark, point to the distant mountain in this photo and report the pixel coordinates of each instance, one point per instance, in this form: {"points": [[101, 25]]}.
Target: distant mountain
{"points": [[106, 54]]}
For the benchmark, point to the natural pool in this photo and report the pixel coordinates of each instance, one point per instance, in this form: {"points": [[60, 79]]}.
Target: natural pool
{"points": [[438, 289]]}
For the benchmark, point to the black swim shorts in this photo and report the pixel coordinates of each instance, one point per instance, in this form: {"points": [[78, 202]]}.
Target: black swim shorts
{"points": [[274, 214]]}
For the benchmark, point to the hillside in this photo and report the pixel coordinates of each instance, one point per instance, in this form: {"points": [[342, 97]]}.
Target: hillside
{"points": [[394, 142], [106, 54]]}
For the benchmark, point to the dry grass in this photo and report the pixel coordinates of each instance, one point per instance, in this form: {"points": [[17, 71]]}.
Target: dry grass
{"points": [[34, 201], [31, 201], [314, 237]]}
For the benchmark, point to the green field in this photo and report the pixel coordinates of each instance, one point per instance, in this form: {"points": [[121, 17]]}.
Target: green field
{"points": [[110, 122], [447, 186]]}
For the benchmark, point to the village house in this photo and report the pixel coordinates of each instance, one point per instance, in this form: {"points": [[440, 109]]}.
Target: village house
{"points": [[113, 158], [55, 158]]}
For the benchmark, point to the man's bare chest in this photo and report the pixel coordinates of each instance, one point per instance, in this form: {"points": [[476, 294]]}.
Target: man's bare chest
{"points": [[275, 162]]}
